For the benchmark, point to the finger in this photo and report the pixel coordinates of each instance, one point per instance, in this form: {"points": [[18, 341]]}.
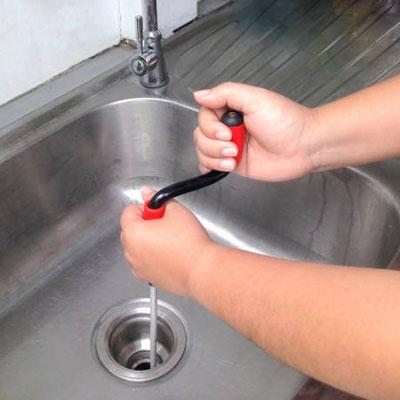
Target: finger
{"points": [[224, 164], [211, 126], [203, 169], [131, 214], [123, 239], [238, 96], [132, 269], [134, 273], [128, 257], [215, 148], [147, 193]]}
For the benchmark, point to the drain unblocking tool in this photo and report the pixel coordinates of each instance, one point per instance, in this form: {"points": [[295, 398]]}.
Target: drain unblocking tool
{"points": [[153, 326], [155, 208]]}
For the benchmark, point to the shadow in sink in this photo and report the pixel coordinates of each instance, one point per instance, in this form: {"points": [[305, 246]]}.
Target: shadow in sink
{"points": [[62, 196]]}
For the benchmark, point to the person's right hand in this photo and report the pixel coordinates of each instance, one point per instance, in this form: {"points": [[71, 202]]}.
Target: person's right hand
{"points": [[280, 142]]}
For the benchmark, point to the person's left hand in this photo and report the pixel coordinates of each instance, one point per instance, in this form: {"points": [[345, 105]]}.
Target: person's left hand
{"points": [[166, 251]]}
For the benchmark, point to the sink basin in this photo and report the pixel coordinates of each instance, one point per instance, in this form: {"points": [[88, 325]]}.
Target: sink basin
{"points": [[61, 264], [68, 169]]}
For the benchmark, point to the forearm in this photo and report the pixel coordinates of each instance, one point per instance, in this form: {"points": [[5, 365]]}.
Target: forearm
{"points": [[340, 325], [361, 128]]}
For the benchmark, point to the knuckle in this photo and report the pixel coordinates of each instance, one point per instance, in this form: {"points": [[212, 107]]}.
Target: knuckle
{"points": [[206, 120], [207, 162], [200, 156], [204, 149], [204, 124], [210, 131], [203, 160], [203, 169], [201, 142], [211, 147], [197, 135], [226, 86]]}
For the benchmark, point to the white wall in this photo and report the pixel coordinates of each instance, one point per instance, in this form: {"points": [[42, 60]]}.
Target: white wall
{"points": [[128, 10], [42, 38], [39, 39], [171, 15]]}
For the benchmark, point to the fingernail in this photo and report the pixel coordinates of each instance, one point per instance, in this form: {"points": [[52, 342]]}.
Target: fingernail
{"points": [[201, 93], [229, 152], [227, 165], [223, 135]]}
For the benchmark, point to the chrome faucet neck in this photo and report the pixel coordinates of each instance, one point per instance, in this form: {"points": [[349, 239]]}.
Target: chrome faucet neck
{"points": [[149, 63], [150, 7]]}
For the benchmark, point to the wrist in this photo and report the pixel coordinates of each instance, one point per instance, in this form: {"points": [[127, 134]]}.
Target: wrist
{"points": [[316, 143], [201, 269]]}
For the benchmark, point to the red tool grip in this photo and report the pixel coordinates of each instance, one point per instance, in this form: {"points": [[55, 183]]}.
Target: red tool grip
{"points": [[238, 137], [234, 120], [150, 213]]}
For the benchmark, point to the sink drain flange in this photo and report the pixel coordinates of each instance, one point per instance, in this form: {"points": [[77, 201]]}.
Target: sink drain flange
{"points": [[122, 340]]}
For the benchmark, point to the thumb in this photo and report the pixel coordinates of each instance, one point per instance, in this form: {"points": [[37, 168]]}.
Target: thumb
{"points": [[147, 193], [238, 96], [134, 212], [131, 214]]}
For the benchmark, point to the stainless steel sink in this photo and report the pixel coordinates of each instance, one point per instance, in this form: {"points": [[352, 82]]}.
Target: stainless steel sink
{"points": [[62, 264], [65, 177]]}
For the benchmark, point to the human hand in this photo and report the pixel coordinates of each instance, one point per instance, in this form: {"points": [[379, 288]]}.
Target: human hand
{"points": [[280, 140], [166, 251]]}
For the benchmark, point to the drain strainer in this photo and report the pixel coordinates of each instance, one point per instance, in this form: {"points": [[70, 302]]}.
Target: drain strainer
{"points": [[122, 340]]}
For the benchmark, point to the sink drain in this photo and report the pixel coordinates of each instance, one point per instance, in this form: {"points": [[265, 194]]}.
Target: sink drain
{"points": [[122, 340]]}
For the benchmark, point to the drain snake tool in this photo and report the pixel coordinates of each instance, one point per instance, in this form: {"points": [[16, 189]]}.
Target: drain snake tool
{"points": [[153, 326], [155, 207]]}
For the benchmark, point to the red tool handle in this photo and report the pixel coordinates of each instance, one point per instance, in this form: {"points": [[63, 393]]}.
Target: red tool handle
{"points": [[150, 213], [232, 119]]}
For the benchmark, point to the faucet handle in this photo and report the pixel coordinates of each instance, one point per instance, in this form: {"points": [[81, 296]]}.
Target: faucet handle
{"points": [[139, 33]]}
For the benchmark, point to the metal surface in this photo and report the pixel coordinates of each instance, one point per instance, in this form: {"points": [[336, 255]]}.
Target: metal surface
{"points": [[153, 326], [151, 14], [122, 343], [149, 63], [62, 264], [67, 173], [312, 51], [139, 33], [60, 231]]}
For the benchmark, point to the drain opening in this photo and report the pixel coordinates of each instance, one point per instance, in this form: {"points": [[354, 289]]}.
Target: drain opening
{"points": [[129, 342], [140, 361], [122, 340], [142, 366]]}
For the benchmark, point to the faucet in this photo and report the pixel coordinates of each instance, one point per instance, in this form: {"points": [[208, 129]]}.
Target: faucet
{"points": [[149, 63]]}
